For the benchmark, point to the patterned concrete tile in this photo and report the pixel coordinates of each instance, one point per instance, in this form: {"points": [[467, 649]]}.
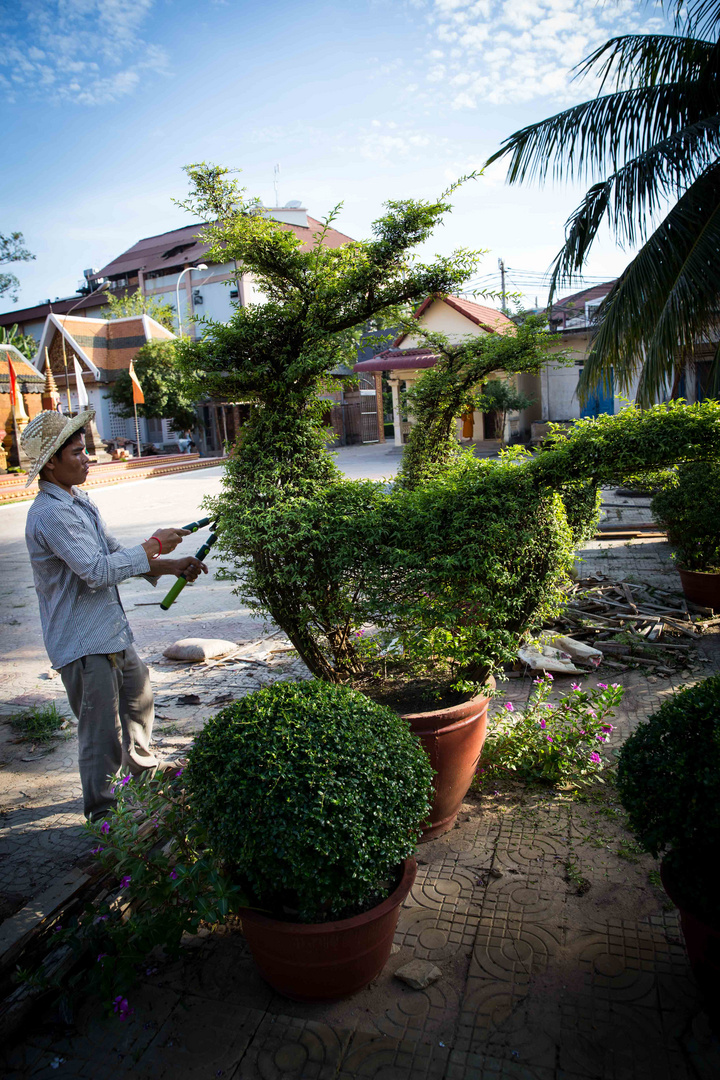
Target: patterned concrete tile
{"points": [[286, 1048], [391, 1059]]}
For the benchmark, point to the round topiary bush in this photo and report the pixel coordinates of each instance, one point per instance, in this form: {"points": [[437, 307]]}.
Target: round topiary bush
{"points": [[669, 783], [312, 795]]}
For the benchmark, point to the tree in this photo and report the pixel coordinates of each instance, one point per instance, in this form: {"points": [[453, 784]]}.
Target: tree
{"points": [[452, 387], [24, 343], [276, 355], [138, 304], [501, 397], [163, 387], [653, 138], [12, 250]]}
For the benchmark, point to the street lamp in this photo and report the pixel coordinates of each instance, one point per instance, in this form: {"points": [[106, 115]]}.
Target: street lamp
{"points": [[188, 269]]}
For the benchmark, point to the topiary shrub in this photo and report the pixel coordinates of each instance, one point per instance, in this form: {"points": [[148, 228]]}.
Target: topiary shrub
{"points": [[669, 784], [689, 507], [312, 795]]}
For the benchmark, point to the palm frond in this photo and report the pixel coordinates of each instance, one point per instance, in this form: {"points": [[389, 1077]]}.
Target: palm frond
{"points": [[665, 301], [648, 60], [629, 198], [605, 132], [699, 16]]}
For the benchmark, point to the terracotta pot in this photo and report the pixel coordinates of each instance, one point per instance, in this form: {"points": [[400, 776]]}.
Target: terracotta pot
{"points": [[453, 739], [703, 589], [326, 961], [702, 942]]}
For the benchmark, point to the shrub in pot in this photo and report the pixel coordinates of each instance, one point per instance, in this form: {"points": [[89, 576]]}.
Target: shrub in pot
{"points": [[688, 505], [312, 797], [669, 784]]}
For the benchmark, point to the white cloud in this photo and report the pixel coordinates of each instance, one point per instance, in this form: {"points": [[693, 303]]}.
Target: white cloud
{"points": [[88, 52], [504, 51]]}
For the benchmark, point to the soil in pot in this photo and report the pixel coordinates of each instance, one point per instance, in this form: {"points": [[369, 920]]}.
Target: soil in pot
{"points": [[326, 961]]}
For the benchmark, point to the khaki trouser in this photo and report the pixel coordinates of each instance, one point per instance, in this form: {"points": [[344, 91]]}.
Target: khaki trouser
{"points": [[113, 702]]}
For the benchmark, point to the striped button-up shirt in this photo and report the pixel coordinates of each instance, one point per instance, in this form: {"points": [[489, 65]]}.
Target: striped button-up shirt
{"points": [[77, 565]]}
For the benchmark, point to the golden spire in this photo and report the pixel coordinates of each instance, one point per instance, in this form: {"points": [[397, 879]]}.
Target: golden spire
{"points": [[51, 394]]}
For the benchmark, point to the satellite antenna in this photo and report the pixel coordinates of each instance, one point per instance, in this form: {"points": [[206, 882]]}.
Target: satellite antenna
{"points": [[275, 183]]}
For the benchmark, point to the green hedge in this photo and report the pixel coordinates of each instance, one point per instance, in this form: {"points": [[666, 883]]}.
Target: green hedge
{"points": [[311, 794]]}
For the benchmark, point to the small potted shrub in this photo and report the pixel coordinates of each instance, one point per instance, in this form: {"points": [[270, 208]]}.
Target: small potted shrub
{"points": [[669, 784], [312, 796], [689, 507]]}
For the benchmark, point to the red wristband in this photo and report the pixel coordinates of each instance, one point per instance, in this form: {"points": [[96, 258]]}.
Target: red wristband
{"points": [[159, 544]]}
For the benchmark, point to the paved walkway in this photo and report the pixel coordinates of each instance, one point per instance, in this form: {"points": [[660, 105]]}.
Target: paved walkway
{"points": [[561, 956]]}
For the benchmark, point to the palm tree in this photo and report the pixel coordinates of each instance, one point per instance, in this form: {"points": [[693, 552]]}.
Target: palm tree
{"points": [[653, 139]]}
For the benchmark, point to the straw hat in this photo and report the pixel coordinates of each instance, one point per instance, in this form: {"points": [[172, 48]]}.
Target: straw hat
{"points": [[46, 433]]}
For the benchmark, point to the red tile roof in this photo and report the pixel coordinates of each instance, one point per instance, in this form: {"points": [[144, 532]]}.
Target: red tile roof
{"points": [[487, 318], [181, 246]]}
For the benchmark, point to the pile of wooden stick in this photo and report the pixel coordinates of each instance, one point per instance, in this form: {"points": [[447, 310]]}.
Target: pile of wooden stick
{"points": [[642, 624]]}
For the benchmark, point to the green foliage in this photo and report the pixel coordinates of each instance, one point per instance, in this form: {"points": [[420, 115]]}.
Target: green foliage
{"points": [[466, 563], [688, 505], [311, 794], [164, 387], [39, 724], [500, 396], [168, 875], [652, 139], [120, 307], [453, 386], [12, 250], [277, 355], [24, 343], [552, 743], [669, 784]]}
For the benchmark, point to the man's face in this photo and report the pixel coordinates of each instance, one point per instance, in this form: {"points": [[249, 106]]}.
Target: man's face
{"points": [[70, 468]]}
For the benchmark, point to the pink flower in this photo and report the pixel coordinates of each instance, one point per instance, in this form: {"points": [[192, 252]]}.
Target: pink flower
{"points": [[548, 705], [509, 706], [608, 727], [549, 676], [549, 738], [125, 780], [122, 1008], [575, 686], [543, 724], [592, 713], [595, 758], [602, 686], [179, 773], [615, 685], [105, 828]]}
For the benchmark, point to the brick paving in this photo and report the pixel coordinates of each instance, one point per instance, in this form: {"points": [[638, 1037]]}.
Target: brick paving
{"points": [[561, 956]]}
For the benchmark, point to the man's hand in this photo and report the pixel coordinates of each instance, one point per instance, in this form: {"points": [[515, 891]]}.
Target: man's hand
{"points": [[169, 539], [189, 567]]}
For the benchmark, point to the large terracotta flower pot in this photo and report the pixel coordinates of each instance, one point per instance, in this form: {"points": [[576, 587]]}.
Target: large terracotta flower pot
{"points": [[453, 739], [703, 589], [702, 942], [326, 961]]}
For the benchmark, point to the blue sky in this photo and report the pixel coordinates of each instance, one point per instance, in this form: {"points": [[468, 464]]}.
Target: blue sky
{"points": [[103, 101]]}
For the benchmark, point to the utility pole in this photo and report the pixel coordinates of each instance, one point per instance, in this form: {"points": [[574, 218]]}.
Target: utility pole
{"points": [[501, 268]]}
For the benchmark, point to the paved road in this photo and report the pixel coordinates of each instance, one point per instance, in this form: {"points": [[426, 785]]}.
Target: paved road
{"points": [[132, 511]]}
